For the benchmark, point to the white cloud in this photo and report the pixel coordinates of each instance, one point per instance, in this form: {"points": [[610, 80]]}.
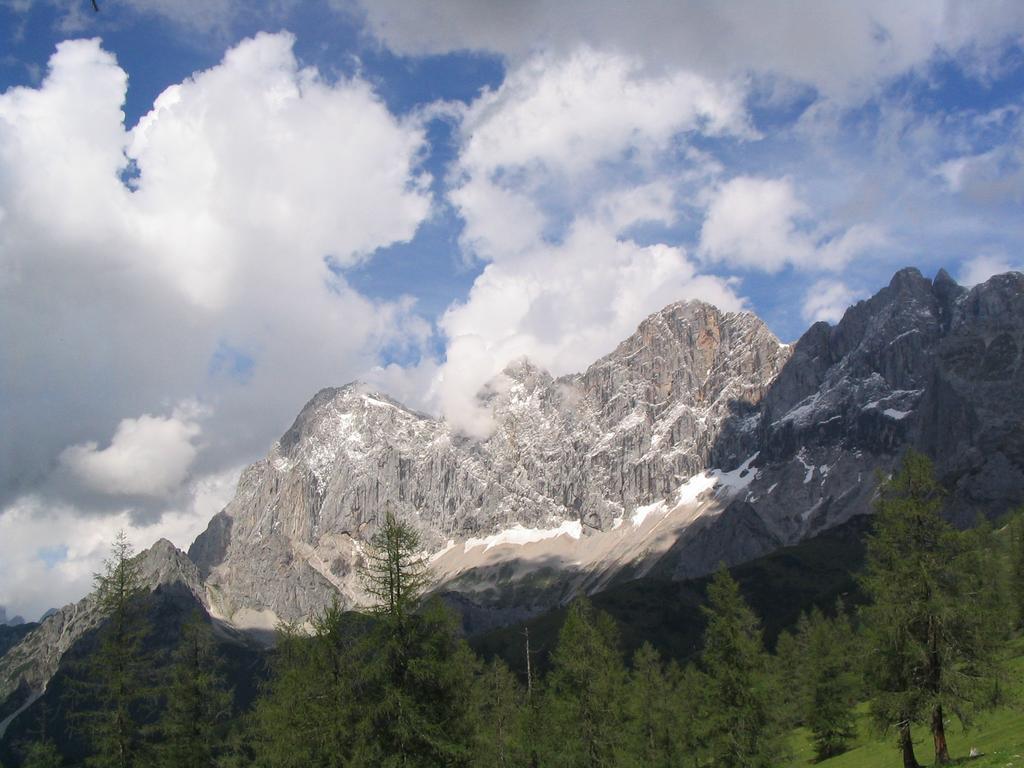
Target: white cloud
{"points": [[217, 274], [842, 49], [571, 112], [48, 554], [827, 300], [757, 223], [981, 267], [554, 167], [148, 456], [563, 306]]}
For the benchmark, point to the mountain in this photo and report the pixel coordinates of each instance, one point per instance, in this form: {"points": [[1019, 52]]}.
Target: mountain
{"points": [[699, 439], [27, 667], [577, 455], [11, 621]]}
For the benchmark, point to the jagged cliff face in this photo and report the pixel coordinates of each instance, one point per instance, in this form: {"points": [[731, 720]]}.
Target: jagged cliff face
{"points": [[26, 669], [923, 364], [700, 439], [590, 448], [606, 472]]}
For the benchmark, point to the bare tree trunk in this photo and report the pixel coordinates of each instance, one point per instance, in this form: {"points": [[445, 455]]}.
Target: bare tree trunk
{"points": [[907, 747], [939, 734], [529, 673]]}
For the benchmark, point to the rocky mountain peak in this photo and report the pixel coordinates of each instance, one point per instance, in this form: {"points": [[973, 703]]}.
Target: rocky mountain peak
{"points": [[30, 664], [163, 563], [692, 389]]}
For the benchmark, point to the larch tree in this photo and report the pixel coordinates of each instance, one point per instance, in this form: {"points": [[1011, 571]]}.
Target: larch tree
{"points": [[583, 704], [742, 721], [198, 702], [415, 674], [930, 621], [118, 675]]}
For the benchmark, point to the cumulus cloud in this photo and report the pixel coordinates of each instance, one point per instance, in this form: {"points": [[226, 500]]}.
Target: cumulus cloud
{"points": [[147, 456], [563, 306], [554, 167], [758, 223], [827, 300], [49, 553], [201, 255], [981, 267]]}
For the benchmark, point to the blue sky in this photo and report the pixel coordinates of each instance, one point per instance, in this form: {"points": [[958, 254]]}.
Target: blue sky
{"points": [[211, 209]]}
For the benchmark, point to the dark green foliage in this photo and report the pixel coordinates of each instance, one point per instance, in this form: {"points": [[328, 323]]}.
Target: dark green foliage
{"points": [[499, 705], [392, 689], [742, 722], [932, 630], [415, 675], [395, 571], [198, 704], [582, 709], [306, 715], [829, 682], [42, 754], [657, 713], [790, 664], [415, 685], [1017, 567], [117, 676]]}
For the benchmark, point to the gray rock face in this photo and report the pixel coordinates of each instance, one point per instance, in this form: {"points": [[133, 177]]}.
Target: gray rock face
{"points": [[26, 668], [590, 447], [922, 363]]}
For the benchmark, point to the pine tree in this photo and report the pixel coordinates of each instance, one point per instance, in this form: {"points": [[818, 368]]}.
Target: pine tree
{"points": [[654, 711], [742, 721], [500, 707], [308, 707], [582, 707], [42, 754], [789, 668], [117, 676], [689, 697], [830, 683], [932, 645], [395, 571], [198, 703], [415, 672]]}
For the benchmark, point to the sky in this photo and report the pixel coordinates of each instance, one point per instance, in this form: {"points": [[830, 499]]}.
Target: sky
{"points": [[211, 209]]}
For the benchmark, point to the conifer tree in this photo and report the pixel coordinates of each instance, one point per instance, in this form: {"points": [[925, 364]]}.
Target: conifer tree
{"points": [[932, 645], [582, 707], [655, 713], [42, 754], [743, 724], [117, 676], [789, 667], [415, 673], [306, 713], [830, 683], [198, 703], [1017, 567], [499, 705]]}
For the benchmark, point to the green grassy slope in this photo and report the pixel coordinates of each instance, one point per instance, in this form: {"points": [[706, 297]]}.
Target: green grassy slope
{"points": [[998, 735]]}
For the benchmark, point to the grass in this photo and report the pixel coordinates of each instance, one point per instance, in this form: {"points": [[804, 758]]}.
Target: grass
{"points": [[998, 735]]}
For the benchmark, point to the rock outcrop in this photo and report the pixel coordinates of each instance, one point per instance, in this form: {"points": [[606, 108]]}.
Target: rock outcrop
{"points": [[26, 669], [591, 447], [922, 363]]}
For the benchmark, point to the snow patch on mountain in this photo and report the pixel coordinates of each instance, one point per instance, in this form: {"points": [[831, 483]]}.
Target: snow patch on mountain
{"points": [[518, 535]]}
